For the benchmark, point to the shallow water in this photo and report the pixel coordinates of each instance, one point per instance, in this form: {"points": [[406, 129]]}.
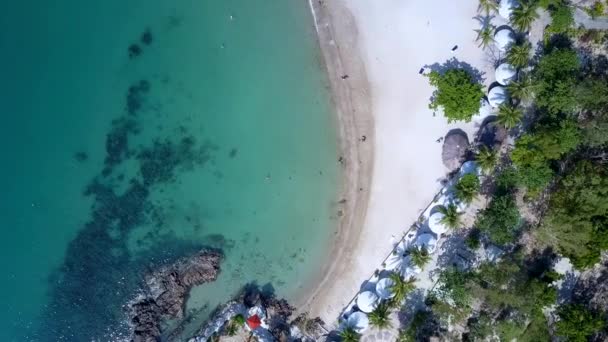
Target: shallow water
{"points": [[137, 132]]}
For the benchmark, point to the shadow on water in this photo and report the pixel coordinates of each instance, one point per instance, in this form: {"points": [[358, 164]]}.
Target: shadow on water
{"points": [[99, 273]]}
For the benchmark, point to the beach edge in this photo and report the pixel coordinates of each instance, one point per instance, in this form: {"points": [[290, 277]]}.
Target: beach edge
{"points": [[351, 103]]}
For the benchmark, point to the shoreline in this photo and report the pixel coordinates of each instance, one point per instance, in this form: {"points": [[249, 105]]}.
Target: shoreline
{"points": [[351, 101], [373, 44]]}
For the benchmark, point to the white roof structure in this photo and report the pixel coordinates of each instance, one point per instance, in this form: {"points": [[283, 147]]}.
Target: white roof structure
{"points": [[395, 260], [358, 321], [427, 241], [410, 270], [506, 8], [504, 38], [497, 96], [383, 288], [469, 167], [505, 73], [435, 223], [367, 301]]}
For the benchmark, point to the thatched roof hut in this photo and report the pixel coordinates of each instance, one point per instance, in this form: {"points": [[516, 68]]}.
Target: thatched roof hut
{"points": [[455, 147]]}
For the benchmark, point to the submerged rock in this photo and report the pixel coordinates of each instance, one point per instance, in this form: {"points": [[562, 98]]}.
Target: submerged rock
{"points": [[166, 292]]}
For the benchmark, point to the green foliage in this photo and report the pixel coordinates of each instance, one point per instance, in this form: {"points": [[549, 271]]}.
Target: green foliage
{"points": [[420, 256], [509, 116], [597, 10], [466, 189], [239, 319], [562, 18], [473, 240], [522, 89], [500, 220], [594, 130], [485, 36], [592, 94], [519, 55], [487, 6], [453, 287], [379, 318], [524, 15], [400, 288], [411, 333], [555, 80], [577, 323], [537, 330], [506, 181], [533, 152], [486, 158], [480, 327], [457, 93], [349, 335], [577, 219]]}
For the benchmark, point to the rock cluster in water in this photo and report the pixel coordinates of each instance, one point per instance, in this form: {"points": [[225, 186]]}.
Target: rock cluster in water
{"points": [[167, 290]]}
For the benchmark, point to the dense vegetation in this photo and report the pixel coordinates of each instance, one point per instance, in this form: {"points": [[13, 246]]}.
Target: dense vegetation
{"points": [[548, 191], [458, 93]]}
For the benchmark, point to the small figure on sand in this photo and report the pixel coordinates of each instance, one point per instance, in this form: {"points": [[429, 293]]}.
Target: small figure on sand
{"points": [[363, 138], [455, 48], [421, 71], [345, 76]]}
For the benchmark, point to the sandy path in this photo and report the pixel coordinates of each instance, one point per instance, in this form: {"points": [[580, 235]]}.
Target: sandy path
{"points": [[393, 39]]}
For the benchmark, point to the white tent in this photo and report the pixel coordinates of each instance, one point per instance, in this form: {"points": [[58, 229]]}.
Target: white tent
{"points": [[469, 167], [395, 260], [427, 241], [367, 301], [505, 73], [506, 8], [383, 288], [504, 38], [435, 223], [409, 270], [358, 321], [497, 96]]}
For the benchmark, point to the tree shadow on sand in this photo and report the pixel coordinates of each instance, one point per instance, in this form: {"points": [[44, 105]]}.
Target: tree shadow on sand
{"points": [[453, 63]]}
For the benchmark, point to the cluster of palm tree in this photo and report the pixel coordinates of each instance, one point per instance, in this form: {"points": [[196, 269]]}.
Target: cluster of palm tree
{"points": [[485, 36], [524, 15], [380, 317], [509, 115], [487, 6], [486, 158], [451, 216], [420, 256], [349, 334], [519, 55], [521, 89]]}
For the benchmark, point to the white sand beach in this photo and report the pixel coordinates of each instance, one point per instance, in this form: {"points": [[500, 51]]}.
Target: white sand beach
{"points": [[381, 46]]}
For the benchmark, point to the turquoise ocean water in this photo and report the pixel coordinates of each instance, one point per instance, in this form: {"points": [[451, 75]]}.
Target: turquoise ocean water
{"points": [[135, 132]]}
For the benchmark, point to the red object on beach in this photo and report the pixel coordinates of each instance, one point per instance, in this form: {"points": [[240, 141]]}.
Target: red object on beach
{"points": [[254, 322]]}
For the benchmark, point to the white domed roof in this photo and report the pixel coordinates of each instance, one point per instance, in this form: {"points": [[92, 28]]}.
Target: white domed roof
{"points": [[367, 301], [506, 8], [504, 38], [358, 321], [497, 96], [505, 73], [435, 223]]}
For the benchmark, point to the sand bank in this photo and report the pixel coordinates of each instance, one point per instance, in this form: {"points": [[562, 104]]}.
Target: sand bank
{"points": [[381, 46]]}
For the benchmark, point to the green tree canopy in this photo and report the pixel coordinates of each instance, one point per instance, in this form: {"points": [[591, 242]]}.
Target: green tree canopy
{"points": [[576, 323], [509, 116], [467, 188], [500, 220], [486, 158], [577, 220], [457, 93], [555, 80]]}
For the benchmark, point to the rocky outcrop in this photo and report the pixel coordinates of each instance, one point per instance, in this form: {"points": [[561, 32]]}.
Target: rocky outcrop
{"points": [[166, 291]]}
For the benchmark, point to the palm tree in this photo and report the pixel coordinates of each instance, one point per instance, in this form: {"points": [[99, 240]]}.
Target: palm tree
{"points": [[485, 36], [519, 55], [451, 216], [487, 6], [486, 158], [522, 89], [379, 318], [349, 335], [509, 116], [466, 189], [420, 256], [524, 15], [400, 288]]}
